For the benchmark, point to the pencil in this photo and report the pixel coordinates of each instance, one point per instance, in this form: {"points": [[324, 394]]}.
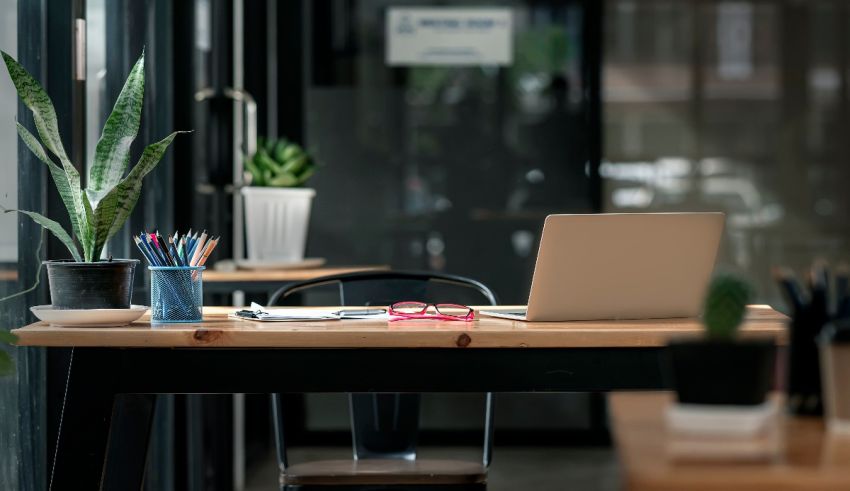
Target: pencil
{"points": [[198, 249], [148, 240], [207, 250], [145, 253], [164, 247]]}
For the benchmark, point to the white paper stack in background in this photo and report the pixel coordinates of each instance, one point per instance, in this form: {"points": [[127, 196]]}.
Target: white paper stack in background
{"points": [[708, 432]]}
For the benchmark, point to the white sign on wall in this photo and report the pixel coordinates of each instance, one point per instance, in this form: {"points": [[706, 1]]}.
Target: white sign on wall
{"points": [[449, 36]]}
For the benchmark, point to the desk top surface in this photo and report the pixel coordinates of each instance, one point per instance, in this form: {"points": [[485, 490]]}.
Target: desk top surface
{"points": [[217, 330], [812, 459], [282, 275]]}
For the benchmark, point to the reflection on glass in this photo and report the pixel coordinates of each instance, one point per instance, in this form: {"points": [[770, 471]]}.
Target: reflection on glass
{"points": [[722, 106], [97, 107], [8, 141], [446, 167]]}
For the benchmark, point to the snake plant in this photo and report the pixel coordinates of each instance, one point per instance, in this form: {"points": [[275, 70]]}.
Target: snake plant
{"points": [[100, 210], [279, 163]]}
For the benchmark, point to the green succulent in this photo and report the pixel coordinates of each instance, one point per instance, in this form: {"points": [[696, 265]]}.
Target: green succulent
{"points": [[725, 306], [279, 163], [99, 211]]}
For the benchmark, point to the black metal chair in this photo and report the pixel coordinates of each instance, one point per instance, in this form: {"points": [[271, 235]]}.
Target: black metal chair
{"points": [[385, 427]]}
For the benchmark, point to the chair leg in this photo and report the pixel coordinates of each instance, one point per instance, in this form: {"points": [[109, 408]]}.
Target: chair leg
{"points": [[598, 407]]}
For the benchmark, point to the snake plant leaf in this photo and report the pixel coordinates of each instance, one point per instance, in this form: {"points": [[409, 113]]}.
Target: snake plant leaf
{"points": [[7, 337], [37, 100], [89, 236], [113, 149], [55, 229], [7, 366], [44, 115], [59, 176], [128, 189]]}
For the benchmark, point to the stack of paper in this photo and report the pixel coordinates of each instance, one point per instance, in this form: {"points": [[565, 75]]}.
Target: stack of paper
{"points": [[704, 432], [291, 314], [259, 313]]}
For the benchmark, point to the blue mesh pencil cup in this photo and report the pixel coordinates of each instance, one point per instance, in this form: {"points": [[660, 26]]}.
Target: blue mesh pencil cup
{"points": [[177, 293]]}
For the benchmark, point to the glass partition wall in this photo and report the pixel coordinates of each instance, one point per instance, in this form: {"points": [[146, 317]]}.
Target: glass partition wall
{"points": [[442, 166], [735, 106]]}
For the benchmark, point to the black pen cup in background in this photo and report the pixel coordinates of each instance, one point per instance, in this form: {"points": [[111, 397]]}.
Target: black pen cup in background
{"points": [[822, 302]]}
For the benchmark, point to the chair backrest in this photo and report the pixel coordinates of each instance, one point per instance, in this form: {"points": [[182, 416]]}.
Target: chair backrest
{"points": [[385, 287], [387, 425]]}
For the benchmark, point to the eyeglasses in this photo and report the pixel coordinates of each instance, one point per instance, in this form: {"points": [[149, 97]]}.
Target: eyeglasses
{"points": [[420, 310]]}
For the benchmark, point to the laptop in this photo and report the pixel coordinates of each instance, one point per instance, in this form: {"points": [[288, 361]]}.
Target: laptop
{"points": [[621, 266]]}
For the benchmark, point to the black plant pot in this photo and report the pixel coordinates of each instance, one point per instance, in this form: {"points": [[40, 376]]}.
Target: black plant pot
{"points": [[97, 285], [739, 372]]}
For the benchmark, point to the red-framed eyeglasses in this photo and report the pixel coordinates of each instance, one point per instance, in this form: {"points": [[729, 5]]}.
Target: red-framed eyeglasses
{"points": [[421, 310]]}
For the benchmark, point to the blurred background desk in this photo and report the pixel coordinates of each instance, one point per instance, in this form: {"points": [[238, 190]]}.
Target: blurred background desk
{"points": [[812, 459]]}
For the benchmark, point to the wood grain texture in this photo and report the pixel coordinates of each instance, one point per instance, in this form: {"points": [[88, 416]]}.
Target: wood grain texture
{"points": [[384, 471], [812, 460], [217, 330], [282, 275]]}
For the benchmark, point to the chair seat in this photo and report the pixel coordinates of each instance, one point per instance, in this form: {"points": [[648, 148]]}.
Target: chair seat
{"points": [[384, 471]]}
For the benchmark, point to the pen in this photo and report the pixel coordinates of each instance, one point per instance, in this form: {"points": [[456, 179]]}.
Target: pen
{"points": [[344, 313], [790, 287], [842, 301]]}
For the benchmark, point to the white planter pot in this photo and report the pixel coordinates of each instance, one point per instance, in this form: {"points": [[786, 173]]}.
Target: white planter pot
{"points": [[276, 222]]}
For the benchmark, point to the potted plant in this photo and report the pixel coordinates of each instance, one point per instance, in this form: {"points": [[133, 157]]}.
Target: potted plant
{"points": [[277, 207], [721, 368], [100, 210]]}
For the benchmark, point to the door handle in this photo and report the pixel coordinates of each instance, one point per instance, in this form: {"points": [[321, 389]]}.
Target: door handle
{"points": [[249, 139]]}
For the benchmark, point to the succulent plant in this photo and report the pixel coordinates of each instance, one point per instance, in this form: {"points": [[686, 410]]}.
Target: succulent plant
{"points": [[279, 163], [725, 306]]}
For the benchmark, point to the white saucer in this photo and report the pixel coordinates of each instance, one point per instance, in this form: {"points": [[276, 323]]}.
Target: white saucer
{"points": [[88, 317], [306, 263]]}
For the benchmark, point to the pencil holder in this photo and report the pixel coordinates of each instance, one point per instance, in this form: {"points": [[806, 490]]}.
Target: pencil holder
{"points": [[176, 293]]}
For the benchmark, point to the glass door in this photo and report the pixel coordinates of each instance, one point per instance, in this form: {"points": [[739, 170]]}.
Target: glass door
{"points": [[430, 160]]}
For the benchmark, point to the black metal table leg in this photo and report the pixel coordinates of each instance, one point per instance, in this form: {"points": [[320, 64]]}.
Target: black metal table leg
{"points": [[84, 422], [129, 437]]}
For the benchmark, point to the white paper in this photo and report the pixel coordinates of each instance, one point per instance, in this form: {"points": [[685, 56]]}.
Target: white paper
{"points": [[449, 36], [292, 314], [289, 314]]}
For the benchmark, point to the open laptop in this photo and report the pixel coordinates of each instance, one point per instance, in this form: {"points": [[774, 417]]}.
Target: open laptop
{"points": [[622, 266]]}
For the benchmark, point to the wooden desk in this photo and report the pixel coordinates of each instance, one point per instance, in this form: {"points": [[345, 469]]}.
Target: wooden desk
{"points": [[116, 371], [217, 330], [811, 460], [267, 281]]}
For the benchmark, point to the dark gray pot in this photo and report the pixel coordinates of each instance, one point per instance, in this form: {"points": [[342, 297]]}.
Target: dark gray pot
{"points": [[97, 285], [739, 373]]}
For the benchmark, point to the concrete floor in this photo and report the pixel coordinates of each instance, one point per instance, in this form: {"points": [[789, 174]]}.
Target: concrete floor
{"points": [[513, 468]]}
